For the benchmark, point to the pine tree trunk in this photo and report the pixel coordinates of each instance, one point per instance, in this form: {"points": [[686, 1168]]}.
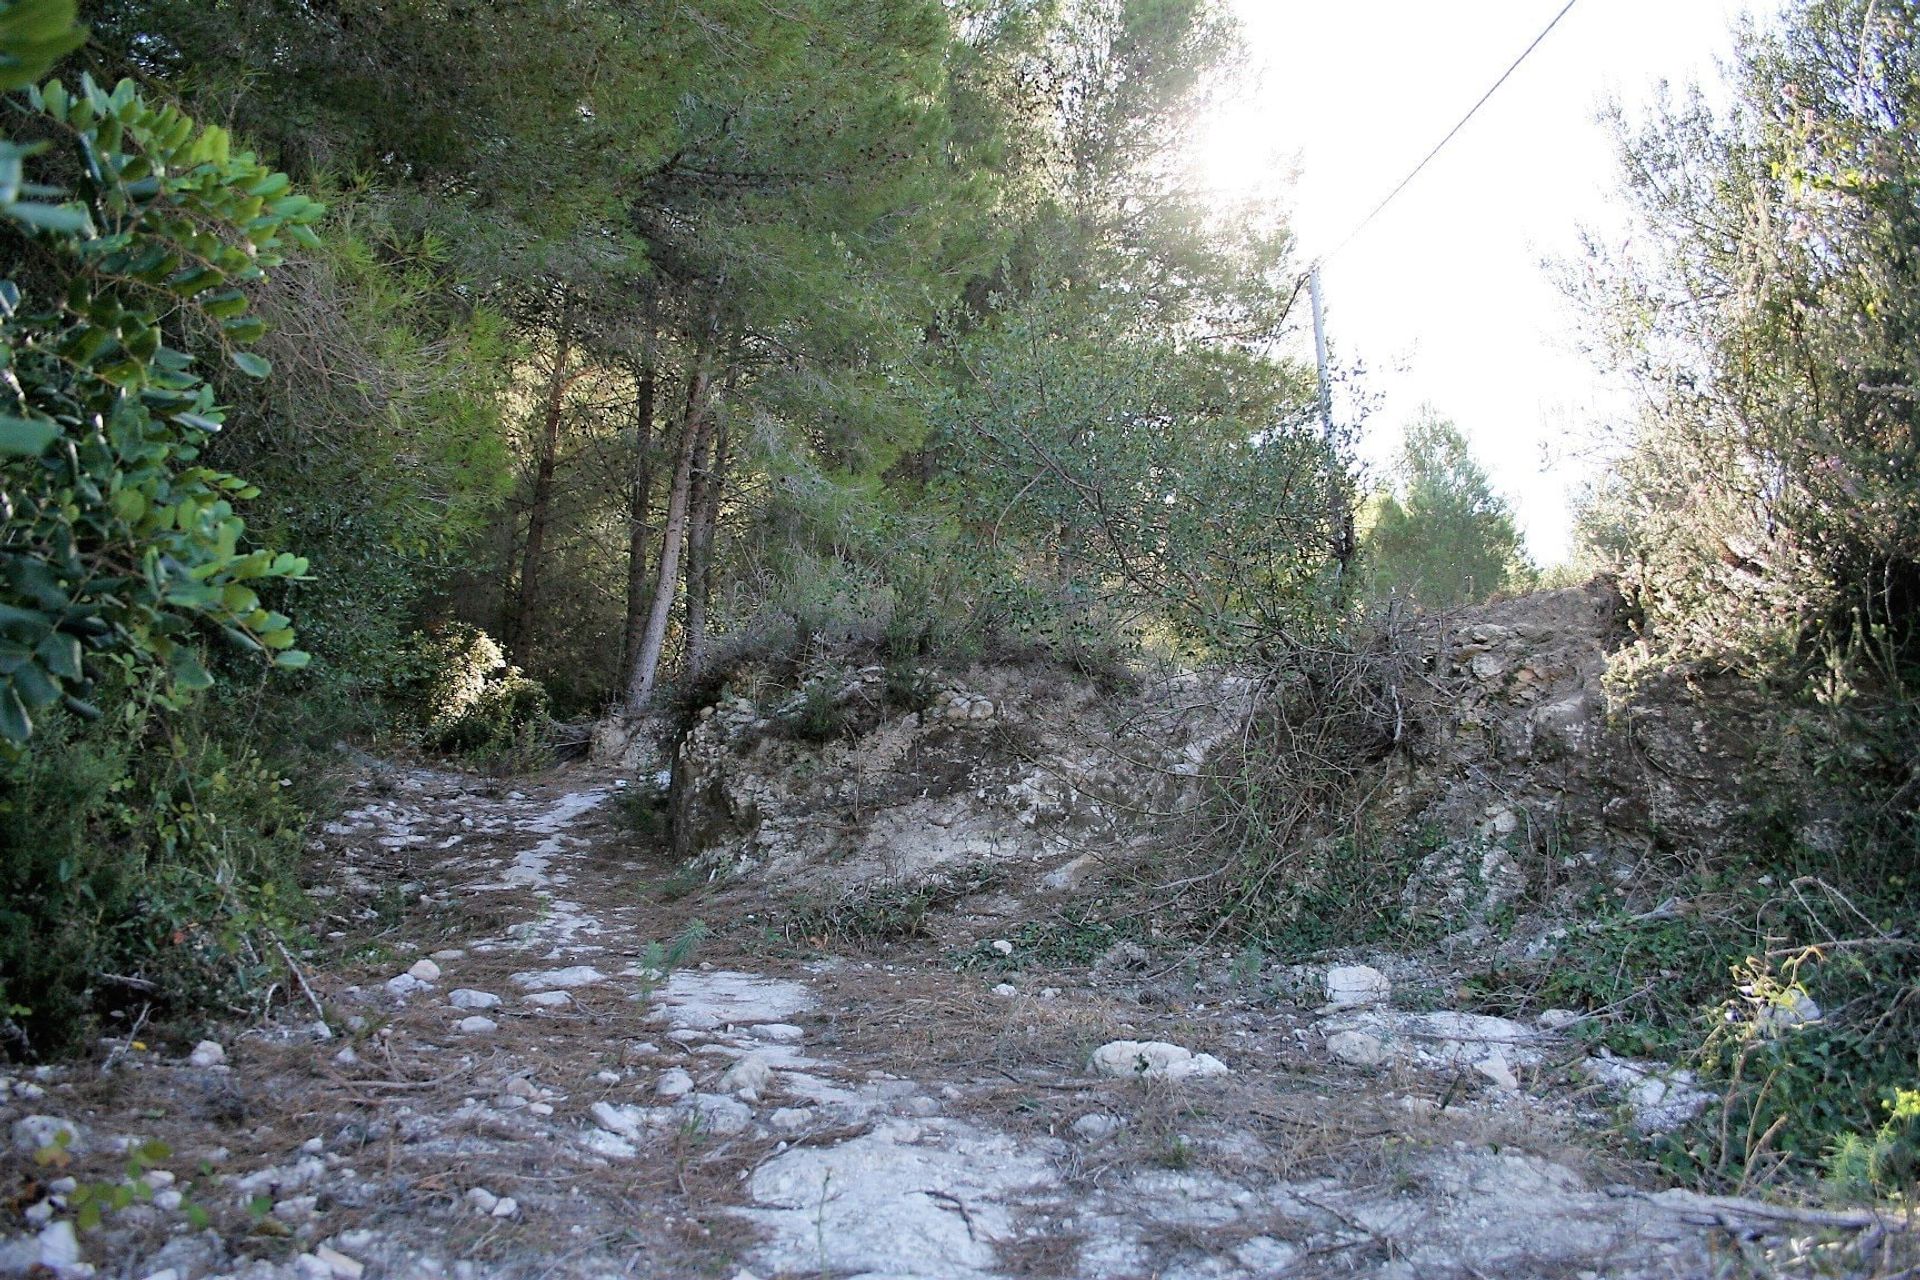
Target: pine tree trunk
{"points": [[645, 670], [709, 488], [640, 506], [541, 508]]}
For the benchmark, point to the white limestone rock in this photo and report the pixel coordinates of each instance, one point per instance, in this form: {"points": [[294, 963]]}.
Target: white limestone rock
{"points": [[1357, 1048], [468, 998], [1154, 1060], [1357, 984]]}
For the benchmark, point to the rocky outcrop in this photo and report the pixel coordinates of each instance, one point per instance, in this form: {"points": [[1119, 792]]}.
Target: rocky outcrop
{"points": [[1540, 726], [1004, 764]]}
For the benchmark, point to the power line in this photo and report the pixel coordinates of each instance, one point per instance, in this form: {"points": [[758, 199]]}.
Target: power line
{"points": [[1451, 134]]}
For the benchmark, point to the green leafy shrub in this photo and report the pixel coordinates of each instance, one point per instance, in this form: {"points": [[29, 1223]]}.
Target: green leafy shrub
{"points": [[147, 860], [464, 695], [1886, 1164], [118, 539]]}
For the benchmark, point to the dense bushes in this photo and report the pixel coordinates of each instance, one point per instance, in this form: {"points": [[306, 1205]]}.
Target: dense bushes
{"points": [[462, 696], [1764, 517], [148, 862], [1767, 311]]}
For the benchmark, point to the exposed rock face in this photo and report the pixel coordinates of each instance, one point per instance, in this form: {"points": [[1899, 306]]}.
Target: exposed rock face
{"points": [[1529, 736], [1524, 765], [1004, 763]]}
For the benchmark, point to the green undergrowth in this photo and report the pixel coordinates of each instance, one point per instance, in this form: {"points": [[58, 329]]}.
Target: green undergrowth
{"points": [[1717, 978], [149, 867], [1075, 936]]}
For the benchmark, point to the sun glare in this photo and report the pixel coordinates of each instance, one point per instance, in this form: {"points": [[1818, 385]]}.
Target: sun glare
{"points": [[1238, 153]]}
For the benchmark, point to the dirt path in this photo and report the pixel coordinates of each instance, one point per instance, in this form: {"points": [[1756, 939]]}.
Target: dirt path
{"points": [[510, 1087]]}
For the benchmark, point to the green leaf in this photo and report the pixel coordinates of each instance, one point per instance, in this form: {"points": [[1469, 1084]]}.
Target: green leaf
{"points": [[250, 364], [292, 659], [35, 687], [15, 725], [24, 437], [61, 654], [186, 668], [61, 219]]}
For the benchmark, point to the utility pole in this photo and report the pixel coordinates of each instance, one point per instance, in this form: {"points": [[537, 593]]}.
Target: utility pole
{"points": [[1320, 355], [1339, 518]]}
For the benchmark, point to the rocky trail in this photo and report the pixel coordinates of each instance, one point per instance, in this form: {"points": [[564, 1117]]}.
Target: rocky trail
{"points": [[486, 1073]]}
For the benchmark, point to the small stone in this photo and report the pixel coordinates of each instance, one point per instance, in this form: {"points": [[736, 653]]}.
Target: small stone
{"points": [[39, 1215], [482, 1199], [37, 1133], [295, 1209], [540, 1108], [1556, 1019], [343, 1267], [1006, 991], [722, 1115], [1002, 946], [520, 1087], [1357, 1048], [467, 998], [607, 1077], [207, 1053], [1356, 984], [777, 1033], [791, 1119], [747, 1078], [347, 1057], [309, 1267], [477, 1025], [673, 1084], [617, 1119], [579, 975], [424, 971], [1154, 1060], [1495, 1068], [1094, 1127], [1795, 1008], [59, 1247], [451, 953], [404, 985], [550, 999], [168, 1199], [506, 1207]]}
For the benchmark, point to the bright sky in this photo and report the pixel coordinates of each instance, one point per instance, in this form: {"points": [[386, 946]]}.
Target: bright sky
{"points": [[1444, 298]]}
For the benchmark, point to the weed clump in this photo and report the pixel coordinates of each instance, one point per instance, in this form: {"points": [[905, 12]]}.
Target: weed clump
{"points": [[878, 914]]}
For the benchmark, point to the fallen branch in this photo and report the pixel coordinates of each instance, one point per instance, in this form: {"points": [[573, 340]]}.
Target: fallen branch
{"points": [[301, 978], [1736, 1206]]}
